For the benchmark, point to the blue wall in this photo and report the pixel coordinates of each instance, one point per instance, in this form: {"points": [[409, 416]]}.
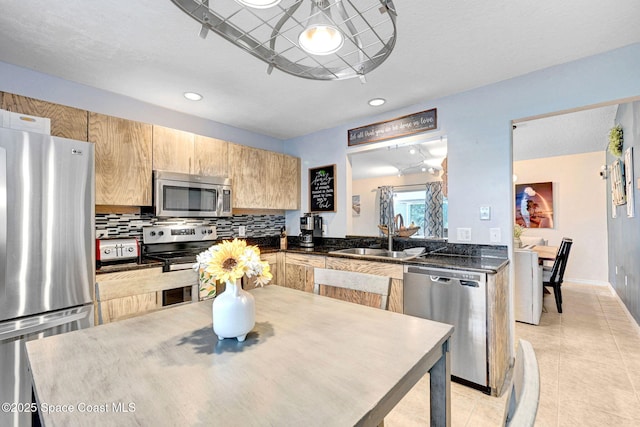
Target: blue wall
{"points": [[624, 232], [478, 127]]}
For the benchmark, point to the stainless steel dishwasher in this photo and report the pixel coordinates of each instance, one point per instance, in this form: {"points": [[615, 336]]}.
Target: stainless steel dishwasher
{"points": [[458, 298]]}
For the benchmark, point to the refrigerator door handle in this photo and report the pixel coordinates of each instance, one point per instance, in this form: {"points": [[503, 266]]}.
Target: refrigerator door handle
{"points": [[3, 222], [34, 324]]}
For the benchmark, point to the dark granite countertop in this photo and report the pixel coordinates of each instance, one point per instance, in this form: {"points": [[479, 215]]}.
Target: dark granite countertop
{"points": [[471, 262], [481, 258]]}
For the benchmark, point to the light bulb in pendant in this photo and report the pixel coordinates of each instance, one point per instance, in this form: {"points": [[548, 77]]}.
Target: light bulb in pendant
{"points": [[320, 36]]}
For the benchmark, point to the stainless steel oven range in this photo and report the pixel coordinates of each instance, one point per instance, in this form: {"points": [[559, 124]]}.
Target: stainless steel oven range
{"points": [[177, 246]]}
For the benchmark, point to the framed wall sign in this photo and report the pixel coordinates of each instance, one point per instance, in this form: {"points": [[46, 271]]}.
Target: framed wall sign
{"points": [[618, 183], [628, 177], [322, 189], [402, 126]]}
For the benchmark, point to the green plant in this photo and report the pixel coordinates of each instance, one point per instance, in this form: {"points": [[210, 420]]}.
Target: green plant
{"points": [[615, 140], [517, 231]]}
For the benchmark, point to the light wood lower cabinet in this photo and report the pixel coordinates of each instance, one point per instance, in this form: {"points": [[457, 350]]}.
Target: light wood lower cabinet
{"points": [[298, 270], [272, 259], [131, 293], [499, 352]]}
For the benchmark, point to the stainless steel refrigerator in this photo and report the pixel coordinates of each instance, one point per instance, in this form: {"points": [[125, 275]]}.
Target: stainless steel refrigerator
{"points": [[47, 252]]}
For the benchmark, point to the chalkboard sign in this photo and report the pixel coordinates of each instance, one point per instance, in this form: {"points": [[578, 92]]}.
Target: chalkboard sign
{"points": [[402, 126], [322, 189]]}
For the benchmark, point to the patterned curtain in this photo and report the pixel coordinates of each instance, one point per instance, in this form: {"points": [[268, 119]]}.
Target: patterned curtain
{"points": [[433, 215], [386, 206]]}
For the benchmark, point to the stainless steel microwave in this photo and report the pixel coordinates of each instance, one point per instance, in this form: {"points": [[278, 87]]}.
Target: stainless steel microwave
{"points": [[191, 196]]}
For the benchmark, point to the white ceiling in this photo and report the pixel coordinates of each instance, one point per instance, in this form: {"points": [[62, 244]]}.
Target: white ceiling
{"points": [[583, 131], [417, 156], [150, 50]]}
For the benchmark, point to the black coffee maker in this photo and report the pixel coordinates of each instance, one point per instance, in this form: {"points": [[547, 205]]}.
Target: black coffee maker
{"points": [[310, 230]]}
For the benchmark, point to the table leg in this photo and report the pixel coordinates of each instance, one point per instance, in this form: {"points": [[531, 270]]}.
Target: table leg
{"points": [[440, 389]]}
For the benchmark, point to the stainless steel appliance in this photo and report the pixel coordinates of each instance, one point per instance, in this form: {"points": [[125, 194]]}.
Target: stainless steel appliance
{"points": [[113, 251], [458, 298], [47, 250], [177, 246], [184, 195], [310, 230]]}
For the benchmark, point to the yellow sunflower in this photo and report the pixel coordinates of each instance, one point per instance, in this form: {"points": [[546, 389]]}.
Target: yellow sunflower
{"points": [[226, 263]]}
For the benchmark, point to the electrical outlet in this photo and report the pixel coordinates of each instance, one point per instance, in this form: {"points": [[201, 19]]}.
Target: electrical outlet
{"points": [[485, 213], [242, 231], [494, 235], [464, 234]]}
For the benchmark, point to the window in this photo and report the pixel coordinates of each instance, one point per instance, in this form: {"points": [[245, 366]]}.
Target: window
{"points": [[411, 205]]}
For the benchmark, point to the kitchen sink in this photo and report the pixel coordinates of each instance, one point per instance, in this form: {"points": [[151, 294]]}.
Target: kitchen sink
{"points": [[375, 253]]}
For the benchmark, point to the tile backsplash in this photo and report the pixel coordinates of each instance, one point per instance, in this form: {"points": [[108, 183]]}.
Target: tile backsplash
{"points": [[130, 225]]}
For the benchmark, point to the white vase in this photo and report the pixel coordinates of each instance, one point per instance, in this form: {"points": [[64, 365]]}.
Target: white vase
{"points": [[234, 313]]}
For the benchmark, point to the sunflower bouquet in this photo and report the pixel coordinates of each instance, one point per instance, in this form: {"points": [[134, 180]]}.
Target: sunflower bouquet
{"points": [[229, 261]]}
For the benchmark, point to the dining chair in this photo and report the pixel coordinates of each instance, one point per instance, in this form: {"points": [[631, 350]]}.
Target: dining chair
{"points": [[552, 277], [524, 394], [360, 287]]}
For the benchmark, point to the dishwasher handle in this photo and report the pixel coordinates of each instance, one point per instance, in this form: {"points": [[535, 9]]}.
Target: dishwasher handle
{"points": [[447, 280], [470, 283]]}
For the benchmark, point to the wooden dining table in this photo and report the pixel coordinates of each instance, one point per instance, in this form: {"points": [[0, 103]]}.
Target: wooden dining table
{"points": [[310, 360], [545, 253]]}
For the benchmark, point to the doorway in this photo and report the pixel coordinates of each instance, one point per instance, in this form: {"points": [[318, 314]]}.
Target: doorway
{"points": [[565, 151]]}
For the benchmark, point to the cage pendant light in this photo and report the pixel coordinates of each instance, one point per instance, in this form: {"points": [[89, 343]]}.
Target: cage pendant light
{"points": [[313, 39], [320, 36]]}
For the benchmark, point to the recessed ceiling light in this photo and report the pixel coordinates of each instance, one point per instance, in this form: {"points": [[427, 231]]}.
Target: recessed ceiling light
{"points": [[376, 102], [192, 96], [412, 151]]}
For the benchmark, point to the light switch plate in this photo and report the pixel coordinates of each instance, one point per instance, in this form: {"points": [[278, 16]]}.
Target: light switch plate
{"points": [[485, 213], [464, 234]]}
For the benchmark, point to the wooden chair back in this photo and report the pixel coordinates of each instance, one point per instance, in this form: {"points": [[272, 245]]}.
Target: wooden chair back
{"points": [[522, 405], [363, 283]]}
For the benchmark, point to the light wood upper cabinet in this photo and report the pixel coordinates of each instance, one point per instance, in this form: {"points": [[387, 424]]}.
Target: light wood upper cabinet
{"points": [[178, 151], [172, 150], [264, 179], [123, 160], [210, 156], [247, 169], [283, 181], [67, 122]]}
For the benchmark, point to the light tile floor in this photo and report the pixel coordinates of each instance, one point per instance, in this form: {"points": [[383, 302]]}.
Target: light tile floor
{"points": [[589, 360]]}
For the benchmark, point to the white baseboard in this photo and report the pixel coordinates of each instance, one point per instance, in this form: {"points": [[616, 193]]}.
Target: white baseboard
{"points": [[624, 307], [586, 282]]}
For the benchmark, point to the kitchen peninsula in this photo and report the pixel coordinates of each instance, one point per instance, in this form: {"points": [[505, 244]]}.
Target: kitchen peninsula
{"points": [[294, 268]]}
